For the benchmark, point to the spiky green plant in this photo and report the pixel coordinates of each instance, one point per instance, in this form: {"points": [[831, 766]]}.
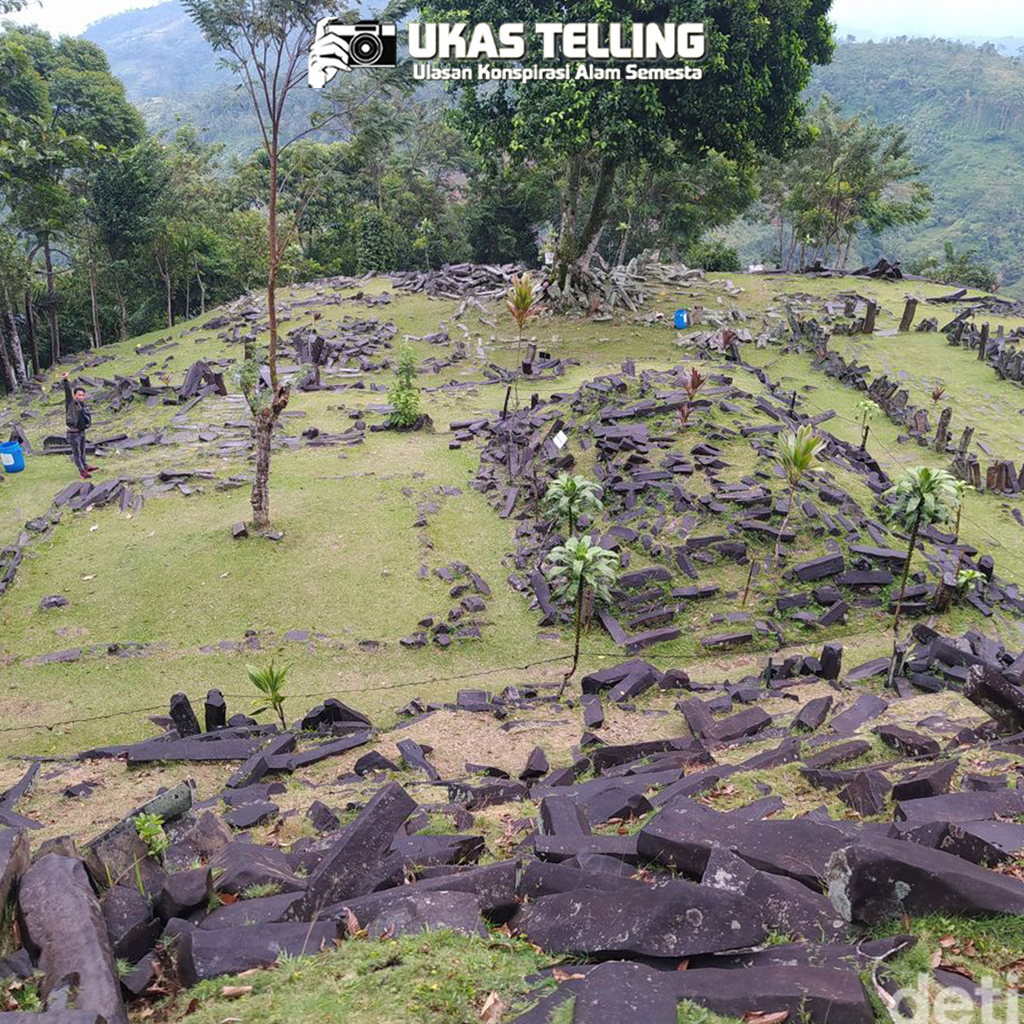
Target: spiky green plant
{"points": [[576, 567], [922, 496], [569, 497], [522, 302], [866, 410], [796, 453], [270, 683]]}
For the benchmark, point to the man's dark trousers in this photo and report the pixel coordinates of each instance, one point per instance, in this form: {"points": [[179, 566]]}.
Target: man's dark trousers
{"points": [[76, 438]]}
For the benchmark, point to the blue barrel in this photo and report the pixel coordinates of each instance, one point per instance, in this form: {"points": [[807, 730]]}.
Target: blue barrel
{"points": [[682, 319], [12, 457]]}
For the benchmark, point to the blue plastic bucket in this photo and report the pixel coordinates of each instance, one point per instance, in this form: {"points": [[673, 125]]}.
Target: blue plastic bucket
{"points": [[12, 457], [682, 319]]}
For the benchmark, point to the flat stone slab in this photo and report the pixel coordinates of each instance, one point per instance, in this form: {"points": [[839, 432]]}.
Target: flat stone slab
{"points": [[679, 919]]}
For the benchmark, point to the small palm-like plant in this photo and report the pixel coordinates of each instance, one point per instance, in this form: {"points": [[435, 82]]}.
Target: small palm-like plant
{"points": [[937, 392], [569, 497], [923, 497], [866, 410], [270, 683], [796, 454], [522, 303], [576, 567], [692, 383], [965, 579]]}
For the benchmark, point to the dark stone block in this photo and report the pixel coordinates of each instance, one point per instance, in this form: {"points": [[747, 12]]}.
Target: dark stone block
{"points": [[813, 714], [241, 865], [876, 880], [863, 709], [184, 717], [867, 792], [837, 754], [678, 920], [374, 762], [62, 921], [908, 742], [322, 817], [475, 798], [536, 765], [1005, 803], [561, 816], [931, 781], [784, 904], [818, 568], [208, 954], [626, 993], [819, 995], [216, 711], [131, 926], [349, 867], [984, 842], [183, 892]]}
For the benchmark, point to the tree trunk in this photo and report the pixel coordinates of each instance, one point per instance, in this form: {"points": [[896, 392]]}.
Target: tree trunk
{"points": [[906, 573], [620, 259], [33, 339], [576, 648], [188, 297], [15, 339], [263, 430], [202, 294], [785, 521], [566, 250], [96, 341], [10, 381], [122, 312], [170, 304], [51, 302], [591, 233], [267, 417]]}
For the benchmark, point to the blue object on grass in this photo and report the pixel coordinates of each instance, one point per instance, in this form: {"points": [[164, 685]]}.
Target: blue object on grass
{"points": [[682, 319], [12, 457]]}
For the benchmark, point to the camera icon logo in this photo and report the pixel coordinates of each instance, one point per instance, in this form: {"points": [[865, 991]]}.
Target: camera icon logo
{"points": [[338, 46]]}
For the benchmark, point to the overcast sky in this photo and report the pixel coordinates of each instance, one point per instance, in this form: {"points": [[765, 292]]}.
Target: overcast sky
{"points": [[948, 18]]}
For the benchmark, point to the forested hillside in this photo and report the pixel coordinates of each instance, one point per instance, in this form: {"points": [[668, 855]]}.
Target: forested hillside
{"points": [[172, 75], [962, 108]]}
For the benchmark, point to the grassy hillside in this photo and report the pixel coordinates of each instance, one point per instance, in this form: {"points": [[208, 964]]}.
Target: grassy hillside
{"points": [[163, 599], [172, 579]]}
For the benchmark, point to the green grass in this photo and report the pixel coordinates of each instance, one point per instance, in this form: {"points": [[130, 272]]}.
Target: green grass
{"points": [[439, 978], [172, 577]]}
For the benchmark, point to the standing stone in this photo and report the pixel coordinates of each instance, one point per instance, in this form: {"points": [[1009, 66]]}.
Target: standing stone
{"points": [[831, 660], [869, 318], [983, 343], [908, 315], [942, 430], [184, 717], [63, 922], [216, 711]]}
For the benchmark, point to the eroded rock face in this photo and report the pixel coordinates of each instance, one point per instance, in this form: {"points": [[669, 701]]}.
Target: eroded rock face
{"points": [[64, 924]]}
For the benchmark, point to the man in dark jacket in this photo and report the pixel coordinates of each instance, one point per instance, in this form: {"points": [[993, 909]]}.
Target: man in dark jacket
{"points": [[77, 417]]}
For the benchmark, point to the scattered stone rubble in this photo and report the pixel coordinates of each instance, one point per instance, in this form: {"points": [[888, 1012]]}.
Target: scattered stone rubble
{"points": [[687, 886]]}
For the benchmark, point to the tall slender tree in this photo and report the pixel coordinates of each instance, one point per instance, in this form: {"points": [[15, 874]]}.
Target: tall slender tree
{"points": [[266, 43]]}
